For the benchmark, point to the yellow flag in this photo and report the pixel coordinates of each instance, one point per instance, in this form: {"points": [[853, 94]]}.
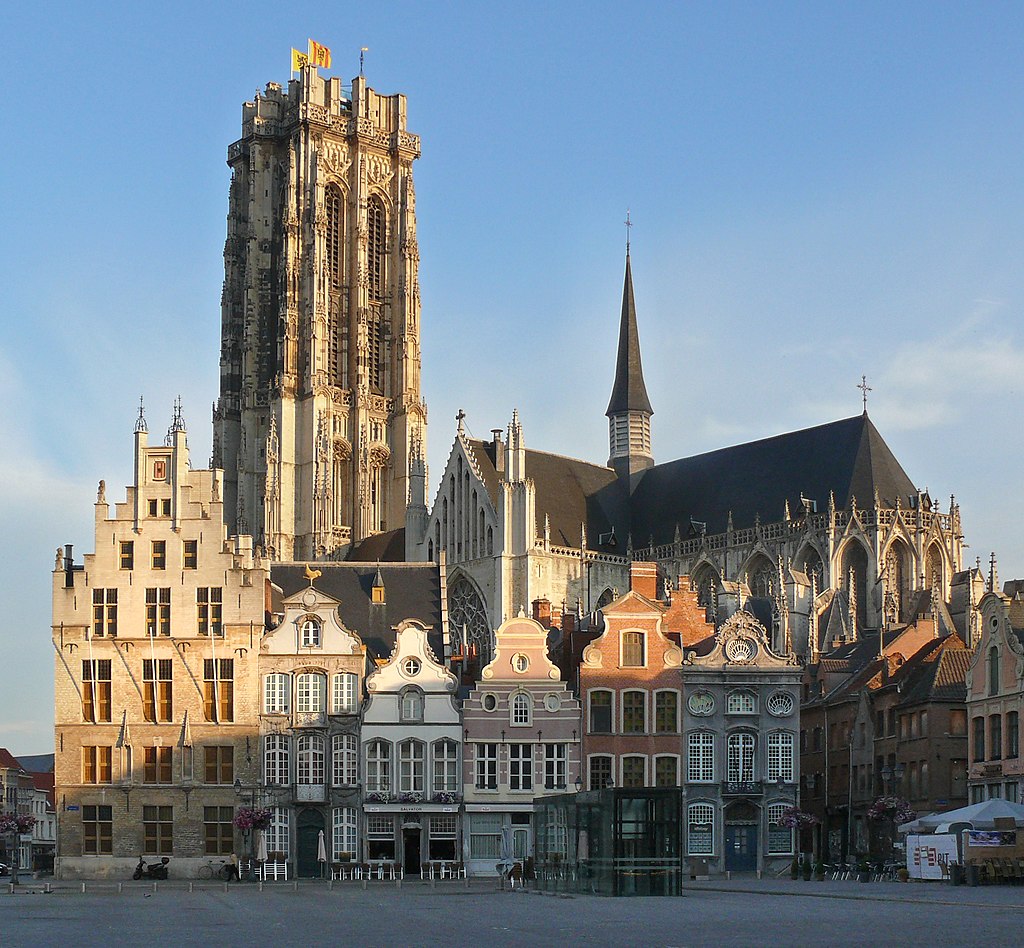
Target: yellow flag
{"points": [[299, 60], [319, 55]]}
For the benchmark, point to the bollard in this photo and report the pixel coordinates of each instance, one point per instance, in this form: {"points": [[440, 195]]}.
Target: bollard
{"points": [[364, 885], [120, 888], [83, 888], [330, 886], [295, 887], [47, 889], [154, 887], [398, 883], [260, 884], [225, 887], [191, 887]]}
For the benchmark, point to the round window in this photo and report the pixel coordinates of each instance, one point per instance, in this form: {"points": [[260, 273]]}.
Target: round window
{"points": [[411, 667], [552, 702], [701, 703], [780, 704], [520, 662], [490, 702]]}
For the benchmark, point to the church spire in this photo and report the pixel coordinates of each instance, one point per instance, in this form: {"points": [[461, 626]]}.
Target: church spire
{"points": [[629, 409]]}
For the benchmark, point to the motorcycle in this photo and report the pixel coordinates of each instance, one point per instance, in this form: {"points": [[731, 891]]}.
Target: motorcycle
{"points": [[154, 870]]}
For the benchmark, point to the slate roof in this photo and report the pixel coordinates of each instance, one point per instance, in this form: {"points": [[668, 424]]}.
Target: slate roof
{"points": [[412, 591], [847, 457], [388, 547], [37, 763], [7, 759], [628, 391]]}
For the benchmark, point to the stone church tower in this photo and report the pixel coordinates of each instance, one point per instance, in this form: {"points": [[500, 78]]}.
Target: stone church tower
{"points": [[320, 346]]}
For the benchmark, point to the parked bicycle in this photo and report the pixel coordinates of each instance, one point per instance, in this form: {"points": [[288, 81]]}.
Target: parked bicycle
{"points": [[220, 869]]}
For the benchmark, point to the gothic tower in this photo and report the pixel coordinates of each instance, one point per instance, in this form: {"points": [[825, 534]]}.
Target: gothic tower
{"points": [[320, 345], [629, 409]]}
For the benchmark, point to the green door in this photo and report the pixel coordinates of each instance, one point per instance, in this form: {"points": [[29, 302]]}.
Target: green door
{"points": [[311, 822]]}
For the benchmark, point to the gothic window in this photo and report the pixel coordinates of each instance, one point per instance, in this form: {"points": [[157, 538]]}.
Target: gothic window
{"points": [[705, 583], [376, 248], [490, 541], [933, 567], [762, 579], [335, 235], [605, 598], [895, 583], [854, 581], [814, 569], [467, 619], [377, 514]]}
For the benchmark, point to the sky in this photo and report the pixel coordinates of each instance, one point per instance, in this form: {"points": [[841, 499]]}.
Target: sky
{"points": [[818, 192]]}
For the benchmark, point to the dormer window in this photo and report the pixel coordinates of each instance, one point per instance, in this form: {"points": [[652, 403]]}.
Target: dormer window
{"points": [[310, 632]]}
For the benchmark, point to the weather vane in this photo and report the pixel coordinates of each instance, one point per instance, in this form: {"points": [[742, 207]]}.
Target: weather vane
{"points": [[864, 389], [363, 50], [629, 225]]}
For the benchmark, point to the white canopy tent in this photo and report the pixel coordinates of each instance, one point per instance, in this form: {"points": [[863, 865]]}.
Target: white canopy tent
{"points": [[978, 815]]}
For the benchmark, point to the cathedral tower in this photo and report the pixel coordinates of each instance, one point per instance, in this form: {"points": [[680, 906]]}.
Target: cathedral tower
{"points": [[320, 345], [629, 410]]}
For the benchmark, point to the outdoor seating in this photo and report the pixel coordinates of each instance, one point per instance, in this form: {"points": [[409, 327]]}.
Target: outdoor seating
{"points": [[276, 867]]}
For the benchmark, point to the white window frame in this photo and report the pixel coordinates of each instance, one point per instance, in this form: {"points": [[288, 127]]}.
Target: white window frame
{"points": [[445, 766], [345, 700], [311, 632], [740, 757], [277, 759], [741, 702], [412, 760], [309, 692], [411, 704], [520, 767], [780, 756], [277, 693], [773, 813], [556, 757], [344, 760], [700, 757], [611, 708], [700, 813], [278, 833], [520, 702], [310, 760], [485, 765], [643, 648], [344, 835], [378, 766]]}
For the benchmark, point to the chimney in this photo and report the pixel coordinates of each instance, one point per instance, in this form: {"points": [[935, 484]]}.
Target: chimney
{"points": [[643, 579], [498, 450], [542, 612], [568, 623], [69, 566], [556, 617]]}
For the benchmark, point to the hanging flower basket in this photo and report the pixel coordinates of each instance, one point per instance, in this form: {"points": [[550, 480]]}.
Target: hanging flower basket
{"points": [[16, 823], [413, 796], [795, 818], [379, 796], [253, 818], [446, 796], [891, 808]]}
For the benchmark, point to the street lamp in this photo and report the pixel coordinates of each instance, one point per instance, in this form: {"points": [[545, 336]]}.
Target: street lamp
{"points": [[579, 784]]}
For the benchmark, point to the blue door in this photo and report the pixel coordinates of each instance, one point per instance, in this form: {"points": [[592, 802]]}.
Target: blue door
{"points": [[740, 847]]}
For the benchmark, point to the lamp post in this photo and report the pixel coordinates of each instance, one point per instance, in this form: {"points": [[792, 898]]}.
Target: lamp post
{"points": [[578, 784]]}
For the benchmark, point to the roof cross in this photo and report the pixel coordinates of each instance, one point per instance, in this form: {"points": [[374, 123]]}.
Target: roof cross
{"points": [[460, 418], [864, 389], [629, 225]]}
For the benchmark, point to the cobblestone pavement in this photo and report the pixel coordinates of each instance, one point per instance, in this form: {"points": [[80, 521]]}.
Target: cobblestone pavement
{"points": [[740, 912]]}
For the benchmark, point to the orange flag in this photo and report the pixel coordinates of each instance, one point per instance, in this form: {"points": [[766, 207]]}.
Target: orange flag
{"points": [[319, 55]]}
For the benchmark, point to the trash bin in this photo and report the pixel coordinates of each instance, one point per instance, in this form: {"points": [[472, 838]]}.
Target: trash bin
{"points": [[973, 875], [699, 869], [956, 874]]}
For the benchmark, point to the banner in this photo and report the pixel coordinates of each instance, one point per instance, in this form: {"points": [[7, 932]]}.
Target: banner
{"points": [[298, 60], [926, 855], [319, 55], [991, 838]]}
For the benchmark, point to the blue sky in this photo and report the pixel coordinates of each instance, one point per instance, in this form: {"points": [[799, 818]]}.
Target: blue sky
{"points": [[818, 191]]}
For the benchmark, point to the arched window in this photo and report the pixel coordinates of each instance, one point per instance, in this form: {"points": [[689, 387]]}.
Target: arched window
{"points": [[344, 836], [600, 771], [995, 737], [346, 701], [741, 702], [411, 705], [700, 757], [762, 578], [276, 693], [335, 238], [309, 693], [521, 710], [490, 541], [993, 670], [276, 765], [376, 248], [309, 759], [446, 766], [606, 598], [706, 583], [854, 581], [410, 762], [780, 756], [814, 569], [634, 770], [740, 757], [700, 836], [467, 617], [378, 767], [1012, 735], [309, 631], [278, 835], [344, 761], [933, 568], [896, 587]]}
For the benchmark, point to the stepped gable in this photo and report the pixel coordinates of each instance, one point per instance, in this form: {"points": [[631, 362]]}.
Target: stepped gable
{"points": [[569, 491], [412, 591], [847, 458]]}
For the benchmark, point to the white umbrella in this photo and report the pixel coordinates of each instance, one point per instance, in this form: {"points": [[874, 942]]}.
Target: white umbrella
{"points": [[979, 815], [261, 846], [321, 851], [506, 861]]}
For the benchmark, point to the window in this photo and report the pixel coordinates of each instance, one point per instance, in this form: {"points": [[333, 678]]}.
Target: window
{"points": [[343, 836], [127, 559], [818, 738], [979, 738], [411, 667], [165, 507], [633, 708], [520, 766], [780, 704], [309, 759], [190, 554], [780, 838], [780, 756], [485, 836], [600, 712], [700, 818], [447, 778], [633, 650], [1012, 736], [958, 722], [219, 689], [276, 693], [376, 248], [158, 611], [209, 610], [633, 768], [443, 830], [309, 693], [96, 690], [666, 771], [993, 670], [344, 760], [740, 757], [489, 702], [219, 830], [995, 737], [96, 764], [159, 557], [380, 837], [220, 763], [741, 702], [666, 712], [411, 705], [345, 700], [156, 765], [378, 766], [520, 663], [104, 612], [554, 766], [158, 830], [97, 830], [700, 758], [335, 240], [522, 709], [157, 690], [410, 766], [277, 833], [487, 766], [600, 772], [309, 632], [276, 759]]}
